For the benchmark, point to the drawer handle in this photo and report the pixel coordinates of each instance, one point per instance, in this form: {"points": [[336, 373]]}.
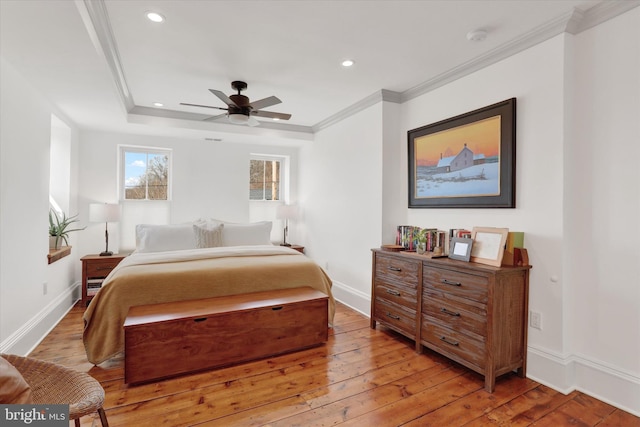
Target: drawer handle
{"points": [[392, 316], [200, 319], [104, 268], [455, 343], [395, 269], [392, 292], [449, 282], [449, 312], [276, 308]]}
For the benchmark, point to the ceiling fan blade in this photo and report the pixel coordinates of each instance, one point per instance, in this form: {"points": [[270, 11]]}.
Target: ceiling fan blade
{"points": [[271, 114], [224, 98], [205, 106], [214, 118], [253, 122], [265, 102]]}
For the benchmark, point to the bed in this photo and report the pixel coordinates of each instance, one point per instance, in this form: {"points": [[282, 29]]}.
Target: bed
{"points": [[184, 273]]}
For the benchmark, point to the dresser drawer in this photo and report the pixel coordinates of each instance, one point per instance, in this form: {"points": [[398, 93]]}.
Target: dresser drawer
{"points": [[401, 295], [456, 345], [397, 316], [101, 268], [461, 315], [397, 270], [461, 284]]}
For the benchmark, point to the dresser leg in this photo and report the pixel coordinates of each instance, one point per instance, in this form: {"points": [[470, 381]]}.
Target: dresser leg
{"points": [[489, 383]]}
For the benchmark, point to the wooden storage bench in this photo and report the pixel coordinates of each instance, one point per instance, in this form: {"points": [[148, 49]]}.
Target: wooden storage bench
{"points": [[167, 339]]}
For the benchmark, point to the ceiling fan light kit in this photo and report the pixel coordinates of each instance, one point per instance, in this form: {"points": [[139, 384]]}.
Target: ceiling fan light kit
{"points": [[240, 110], [238, 119]]}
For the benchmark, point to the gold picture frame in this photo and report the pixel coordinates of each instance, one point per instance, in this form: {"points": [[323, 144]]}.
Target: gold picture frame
{"points": [[488, 245]]}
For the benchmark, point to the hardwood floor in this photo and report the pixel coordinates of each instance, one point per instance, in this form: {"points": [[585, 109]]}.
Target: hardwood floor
{"points": [[361, 377]]}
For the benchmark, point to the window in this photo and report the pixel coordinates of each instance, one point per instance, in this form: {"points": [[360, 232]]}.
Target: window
{"points": [[145, 173], [265, 178]]}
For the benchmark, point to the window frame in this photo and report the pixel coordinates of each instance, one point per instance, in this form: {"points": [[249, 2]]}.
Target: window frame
{"points": [[283, 176], [122, 150]]}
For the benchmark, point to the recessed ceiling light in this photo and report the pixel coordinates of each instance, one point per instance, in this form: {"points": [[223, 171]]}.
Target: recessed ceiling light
{"points": [[155, 17], [275, 119], [347, 63], [158, 104]]}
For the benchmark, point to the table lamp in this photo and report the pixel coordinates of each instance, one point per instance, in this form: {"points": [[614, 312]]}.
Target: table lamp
{"points": [[104, 212], [286, 212]]}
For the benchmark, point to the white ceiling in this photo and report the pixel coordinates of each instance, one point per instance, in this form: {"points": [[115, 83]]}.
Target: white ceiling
{"points": [[104, 64]]}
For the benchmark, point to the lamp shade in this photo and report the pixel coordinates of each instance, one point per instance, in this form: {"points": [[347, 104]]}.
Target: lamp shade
{"points": [[104, 212], [287, 212]]}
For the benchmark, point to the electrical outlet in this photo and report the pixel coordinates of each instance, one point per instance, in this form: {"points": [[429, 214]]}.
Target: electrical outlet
{"points": [[44, 288], [535, 320]]}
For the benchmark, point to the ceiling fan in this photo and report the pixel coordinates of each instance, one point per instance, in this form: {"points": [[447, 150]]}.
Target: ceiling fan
{"points": [[239, 110]]}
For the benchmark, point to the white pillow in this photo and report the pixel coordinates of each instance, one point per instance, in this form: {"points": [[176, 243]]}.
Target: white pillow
{"points": [[255, 233], [208, 235], [160, 238]]}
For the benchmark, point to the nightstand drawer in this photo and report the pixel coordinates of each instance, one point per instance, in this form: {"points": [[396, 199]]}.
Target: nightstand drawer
{"points": [[101, 268]]}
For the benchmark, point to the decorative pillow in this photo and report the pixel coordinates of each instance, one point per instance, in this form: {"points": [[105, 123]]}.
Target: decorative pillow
{"points": [[208, 235], [160, 238], [255, 233], [13, 388]]}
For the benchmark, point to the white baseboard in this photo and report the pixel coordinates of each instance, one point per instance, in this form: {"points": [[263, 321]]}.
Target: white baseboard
{"points": [[25, 339], [353, 298], [566, 373]]}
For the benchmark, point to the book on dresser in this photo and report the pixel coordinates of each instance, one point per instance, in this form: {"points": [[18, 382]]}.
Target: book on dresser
{"points": [[472, 313]]}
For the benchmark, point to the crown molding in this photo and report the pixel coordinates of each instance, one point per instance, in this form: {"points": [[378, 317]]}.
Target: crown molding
{"points": [[96, 20], [572, 22], [604, 11], [373, 99]]}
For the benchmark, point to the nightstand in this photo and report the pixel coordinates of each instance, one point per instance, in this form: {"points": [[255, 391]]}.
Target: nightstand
{"points": [[298, 248], [95, 269]]}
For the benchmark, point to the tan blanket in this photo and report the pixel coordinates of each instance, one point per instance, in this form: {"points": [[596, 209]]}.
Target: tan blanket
{"points": [[149, 278]]}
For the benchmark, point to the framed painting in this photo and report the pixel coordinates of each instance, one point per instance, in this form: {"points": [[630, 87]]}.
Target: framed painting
{"points": [[467, 161]]}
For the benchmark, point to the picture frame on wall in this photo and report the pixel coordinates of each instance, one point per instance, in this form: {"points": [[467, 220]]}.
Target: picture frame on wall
{"points": [[467, 161], [488, 245], [460, 248]]}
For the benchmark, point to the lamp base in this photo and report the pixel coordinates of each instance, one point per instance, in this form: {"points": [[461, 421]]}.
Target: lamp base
{"points": [[106, 253], [285, 244]]}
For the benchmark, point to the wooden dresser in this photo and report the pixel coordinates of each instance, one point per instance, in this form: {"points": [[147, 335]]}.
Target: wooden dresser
{"points": [[472, 313]]}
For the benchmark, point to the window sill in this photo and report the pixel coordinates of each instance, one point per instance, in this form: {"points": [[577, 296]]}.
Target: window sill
{"points": [[56, 254]]}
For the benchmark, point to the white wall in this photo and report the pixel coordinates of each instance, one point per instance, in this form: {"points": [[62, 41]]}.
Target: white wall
{"points": [[210, 180], [26, 312], [602, 195], [340, 187]]}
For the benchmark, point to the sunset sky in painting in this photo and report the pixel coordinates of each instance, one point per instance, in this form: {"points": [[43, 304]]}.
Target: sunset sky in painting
{"points": [[481, 137]]}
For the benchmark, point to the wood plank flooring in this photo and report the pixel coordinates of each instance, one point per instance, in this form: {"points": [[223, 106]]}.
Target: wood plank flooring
{"points": [[361, 377]]}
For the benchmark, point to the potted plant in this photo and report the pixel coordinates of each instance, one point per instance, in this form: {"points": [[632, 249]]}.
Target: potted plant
{"points": [[420, 236], [59, 228]]}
